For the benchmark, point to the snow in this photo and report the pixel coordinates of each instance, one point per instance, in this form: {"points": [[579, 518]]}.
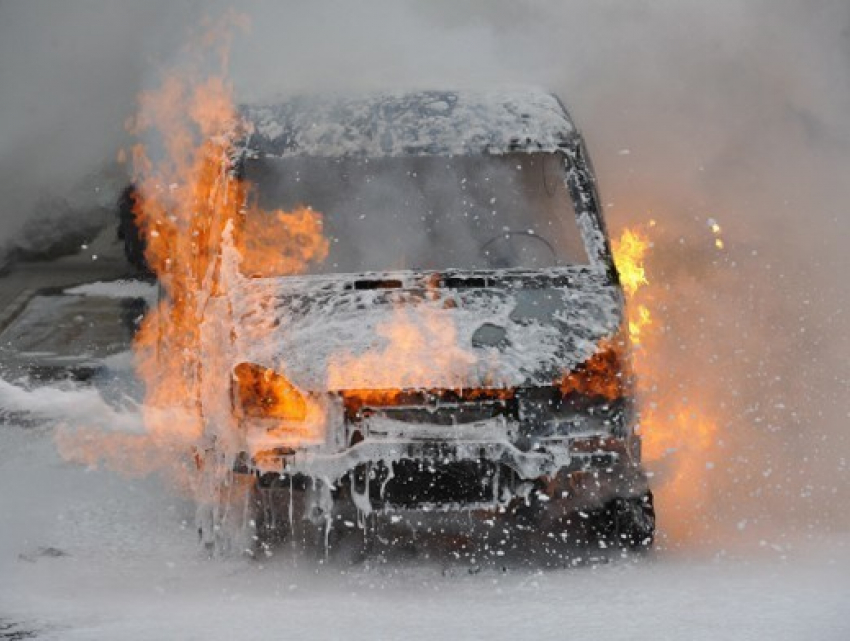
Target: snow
{"points": [[90, 554], [72, 405], [117, 289], [399, 123], [310, 321]]}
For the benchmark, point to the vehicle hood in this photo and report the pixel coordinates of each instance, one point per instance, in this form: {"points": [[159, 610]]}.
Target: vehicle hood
{"points": [[414, 330]]}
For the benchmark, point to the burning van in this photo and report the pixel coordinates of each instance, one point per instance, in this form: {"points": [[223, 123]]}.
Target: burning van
{"points": [[432, 322]]}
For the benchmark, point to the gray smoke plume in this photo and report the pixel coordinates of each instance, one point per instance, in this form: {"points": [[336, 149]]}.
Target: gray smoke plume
{"points": [[68, 81]]}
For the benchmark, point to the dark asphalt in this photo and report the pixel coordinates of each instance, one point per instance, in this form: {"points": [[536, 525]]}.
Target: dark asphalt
{"points": [[40, 332]]}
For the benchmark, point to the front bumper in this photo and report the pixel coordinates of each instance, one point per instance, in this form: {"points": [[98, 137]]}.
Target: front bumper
{"points": [[397, 472], [548, 457]]}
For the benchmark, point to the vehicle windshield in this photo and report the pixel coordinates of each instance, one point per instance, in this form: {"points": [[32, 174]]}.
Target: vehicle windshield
{"points": [[429, 212]]}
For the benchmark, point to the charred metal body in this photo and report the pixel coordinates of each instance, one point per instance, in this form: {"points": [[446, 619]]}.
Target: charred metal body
{"points": [[530, 447], [541, 422]]}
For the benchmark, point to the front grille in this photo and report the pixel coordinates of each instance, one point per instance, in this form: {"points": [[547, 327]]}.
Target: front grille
{"points": [[411, 484], [436, 407]]}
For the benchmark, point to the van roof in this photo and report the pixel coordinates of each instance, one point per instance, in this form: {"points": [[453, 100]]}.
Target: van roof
{"points": [[422, 123]]}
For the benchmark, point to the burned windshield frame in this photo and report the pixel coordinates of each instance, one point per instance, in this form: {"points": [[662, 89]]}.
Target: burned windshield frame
{"points": [[579, 201], [581, 182]]}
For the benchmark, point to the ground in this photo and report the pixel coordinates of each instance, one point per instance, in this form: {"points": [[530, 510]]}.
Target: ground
{"points": [[91, 554]]}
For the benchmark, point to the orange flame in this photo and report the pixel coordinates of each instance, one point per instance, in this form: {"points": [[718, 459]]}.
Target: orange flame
{"points": [[630, 252], [191, 208], [601, 375], [273, 244], [678, 438], [420, 350]]}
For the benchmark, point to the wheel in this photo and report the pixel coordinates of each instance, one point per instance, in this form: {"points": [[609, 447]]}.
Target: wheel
{"points": [[634, 522], [627, 523]]}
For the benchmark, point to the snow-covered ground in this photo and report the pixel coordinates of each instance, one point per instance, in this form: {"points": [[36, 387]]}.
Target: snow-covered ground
{"points": [[90, 554]]}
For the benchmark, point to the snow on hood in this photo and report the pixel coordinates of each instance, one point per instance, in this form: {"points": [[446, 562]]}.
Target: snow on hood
{"points": [[504, 329], [421, 123]]}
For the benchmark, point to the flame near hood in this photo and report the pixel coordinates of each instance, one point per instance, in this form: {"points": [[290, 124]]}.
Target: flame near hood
{"points": [[413, 330]]}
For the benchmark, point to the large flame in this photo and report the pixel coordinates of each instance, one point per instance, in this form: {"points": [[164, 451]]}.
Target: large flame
{"points": [[194, 212], [679, 437], [191, 208]]}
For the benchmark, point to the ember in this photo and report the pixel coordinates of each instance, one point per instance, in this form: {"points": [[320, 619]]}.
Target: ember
{"points": [[601, 375]]}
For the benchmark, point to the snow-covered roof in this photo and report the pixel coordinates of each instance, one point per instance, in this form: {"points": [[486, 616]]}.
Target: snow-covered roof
{"points": [[404, 123]]}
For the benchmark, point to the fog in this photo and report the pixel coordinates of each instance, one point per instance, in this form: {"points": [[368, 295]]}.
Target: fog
{"points": [[731, 110]]}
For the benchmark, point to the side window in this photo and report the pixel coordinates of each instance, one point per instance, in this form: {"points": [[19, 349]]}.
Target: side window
{"points": [[582, 184]]}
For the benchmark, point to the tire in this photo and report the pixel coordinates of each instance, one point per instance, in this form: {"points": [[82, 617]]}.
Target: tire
{"points": [[625, 523], [633, 525]]}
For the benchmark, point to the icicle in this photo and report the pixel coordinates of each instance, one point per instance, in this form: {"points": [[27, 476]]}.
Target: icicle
{"points": [[361, 499], [291, 513], [390, 476]]}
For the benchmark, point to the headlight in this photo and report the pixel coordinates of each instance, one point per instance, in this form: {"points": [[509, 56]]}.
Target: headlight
{"points": [[603, 375], [260, 392]]}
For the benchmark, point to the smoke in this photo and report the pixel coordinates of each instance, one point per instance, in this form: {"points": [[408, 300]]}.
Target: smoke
{"points": [[733, 110], [69, 78], [713, 102]]}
